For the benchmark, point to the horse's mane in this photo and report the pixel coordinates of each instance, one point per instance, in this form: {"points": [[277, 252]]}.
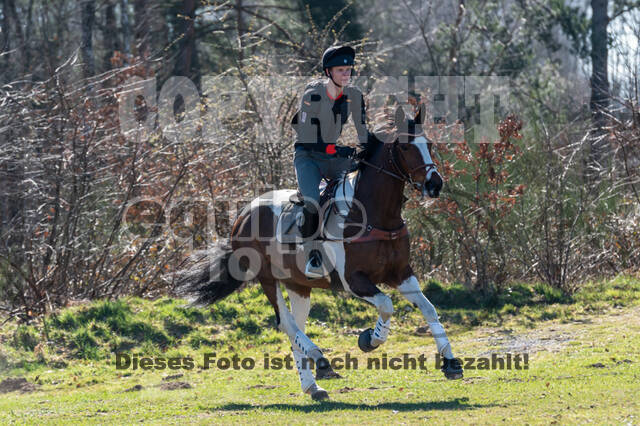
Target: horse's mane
{"points": [[385, 132], [373, 146], [381, 134]]}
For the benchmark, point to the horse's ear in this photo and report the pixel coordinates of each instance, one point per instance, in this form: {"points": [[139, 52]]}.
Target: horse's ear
{"points": [[420, 115], [400, 118]]}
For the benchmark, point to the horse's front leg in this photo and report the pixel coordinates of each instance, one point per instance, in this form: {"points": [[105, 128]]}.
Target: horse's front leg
{"points": [[410, 289], [361, 286]]}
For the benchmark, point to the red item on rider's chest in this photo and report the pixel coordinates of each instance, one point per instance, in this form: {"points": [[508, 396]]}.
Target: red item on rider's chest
{"points": [[331, 148]]}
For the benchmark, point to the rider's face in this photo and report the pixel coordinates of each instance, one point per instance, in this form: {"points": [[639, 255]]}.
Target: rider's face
{"points": [[341, 74]]}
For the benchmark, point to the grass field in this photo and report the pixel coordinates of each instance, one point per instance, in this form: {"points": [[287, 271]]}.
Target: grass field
{"points": [[583, 361]]}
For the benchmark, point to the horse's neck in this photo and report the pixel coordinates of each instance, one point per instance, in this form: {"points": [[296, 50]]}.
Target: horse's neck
{"points": [[380, 194]]}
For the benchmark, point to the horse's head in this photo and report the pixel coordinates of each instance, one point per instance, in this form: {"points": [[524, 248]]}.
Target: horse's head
{"points": [[411, 154]]}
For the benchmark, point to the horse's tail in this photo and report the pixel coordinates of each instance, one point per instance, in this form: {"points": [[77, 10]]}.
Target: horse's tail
{"points": [[208, 278]]}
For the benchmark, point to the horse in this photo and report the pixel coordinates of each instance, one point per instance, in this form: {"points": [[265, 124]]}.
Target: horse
{"points": [[373, 248]]}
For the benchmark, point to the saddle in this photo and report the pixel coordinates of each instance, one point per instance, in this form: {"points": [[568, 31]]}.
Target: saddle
{"points": [[287, 231]]}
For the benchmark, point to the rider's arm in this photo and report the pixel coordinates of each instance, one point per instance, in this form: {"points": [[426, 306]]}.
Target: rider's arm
{"points": [[306, 122]]}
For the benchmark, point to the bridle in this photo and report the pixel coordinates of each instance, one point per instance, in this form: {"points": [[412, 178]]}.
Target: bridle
{"points": [[403, 175]]}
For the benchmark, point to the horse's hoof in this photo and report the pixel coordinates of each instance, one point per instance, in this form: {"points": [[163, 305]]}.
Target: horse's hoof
{"points": [[317, 393], [324, 370], [327, 373], [364, 340], [452, 369], [320, 395]]}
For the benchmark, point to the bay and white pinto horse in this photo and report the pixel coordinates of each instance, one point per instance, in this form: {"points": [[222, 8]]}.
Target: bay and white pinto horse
{"points": [[365, 242]]}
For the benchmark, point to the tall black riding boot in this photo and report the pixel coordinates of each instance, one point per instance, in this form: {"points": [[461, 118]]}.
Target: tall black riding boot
{"points": [[309, 224], [308, 228]]}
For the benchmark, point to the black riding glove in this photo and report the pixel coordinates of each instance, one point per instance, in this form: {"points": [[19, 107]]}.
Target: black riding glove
{"points": [[344, 151], [359, 155]]}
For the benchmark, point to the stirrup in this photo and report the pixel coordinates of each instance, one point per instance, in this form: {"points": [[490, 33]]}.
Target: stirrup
{"points": [[313, 268]]}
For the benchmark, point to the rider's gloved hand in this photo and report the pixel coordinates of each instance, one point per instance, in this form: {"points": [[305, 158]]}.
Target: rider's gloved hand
{"points": [[359, 155], [344, 151]]}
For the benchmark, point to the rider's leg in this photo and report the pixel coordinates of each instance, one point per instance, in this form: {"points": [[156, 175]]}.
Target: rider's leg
{"points": [[308, 175], [311, 167], [338, 167]]}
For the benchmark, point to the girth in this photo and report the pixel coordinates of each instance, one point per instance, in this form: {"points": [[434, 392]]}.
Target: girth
{"points": [[376, 234]]}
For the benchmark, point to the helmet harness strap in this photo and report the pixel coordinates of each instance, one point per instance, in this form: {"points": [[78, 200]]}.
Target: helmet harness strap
{"points": [[328, 71]]}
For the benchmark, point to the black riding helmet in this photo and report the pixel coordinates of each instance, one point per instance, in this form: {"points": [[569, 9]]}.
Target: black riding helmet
{"points": [[336, 56]]}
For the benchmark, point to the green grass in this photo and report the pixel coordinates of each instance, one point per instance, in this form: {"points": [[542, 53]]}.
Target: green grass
{"points": [[70, 356]]}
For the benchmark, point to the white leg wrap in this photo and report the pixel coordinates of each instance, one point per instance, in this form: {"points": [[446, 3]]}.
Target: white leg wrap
{"points": [[306, 346], [304, 371], [298, 339], [383, 304], [442, 342], [410, 288], [381, 331], [299, 308]]}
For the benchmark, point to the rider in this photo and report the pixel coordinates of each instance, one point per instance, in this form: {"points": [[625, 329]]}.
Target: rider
{"points": [[324, 108]]}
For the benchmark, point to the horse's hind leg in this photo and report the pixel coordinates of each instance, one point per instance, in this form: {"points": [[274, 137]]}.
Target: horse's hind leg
{"points": [[299, 341], [300, 300], [300, 306], [411, 290]]}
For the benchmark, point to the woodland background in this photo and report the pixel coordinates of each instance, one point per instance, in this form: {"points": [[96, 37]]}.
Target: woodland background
{"points": [[555, 199]]}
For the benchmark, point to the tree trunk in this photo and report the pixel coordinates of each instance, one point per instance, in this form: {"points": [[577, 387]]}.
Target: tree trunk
{"points": [[599, 82], [240, 26], [126, 26], [10, 8], [141, 26], [6, 43], [9, 13], [159, 29], [187, 60], [27, 46], [88, 19], [110, 35]]}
